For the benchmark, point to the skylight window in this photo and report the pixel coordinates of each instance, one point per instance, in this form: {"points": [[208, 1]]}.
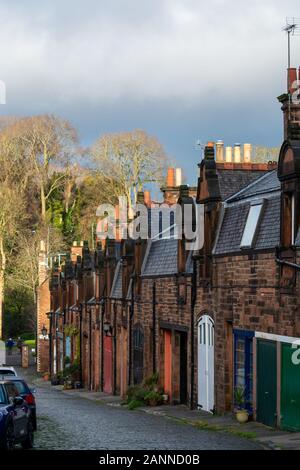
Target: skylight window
{"points": [[251, 225]]}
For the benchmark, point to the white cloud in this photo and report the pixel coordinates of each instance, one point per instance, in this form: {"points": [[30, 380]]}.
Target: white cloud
{"points": [[143, 50]]}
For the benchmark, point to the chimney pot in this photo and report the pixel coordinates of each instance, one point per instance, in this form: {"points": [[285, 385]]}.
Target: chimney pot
{"points": [[219, 151], [237, 153], [171, 177], [247, 153], [147, 198], [228, 154], [178, 177]]}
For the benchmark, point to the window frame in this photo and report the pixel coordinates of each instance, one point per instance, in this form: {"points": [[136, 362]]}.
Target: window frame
{"points": [[253, 204]]}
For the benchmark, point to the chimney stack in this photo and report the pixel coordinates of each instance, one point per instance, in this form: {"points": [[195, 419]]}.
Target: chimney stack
{"points": [[171, 178], [219, 151], [247, 153], [290, 107], [178, 177], [228, 154], [237, 153]]}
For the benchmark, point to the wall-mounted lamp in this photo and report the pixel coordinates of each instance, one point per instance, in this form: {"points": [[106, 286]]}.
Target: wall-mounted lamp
{"points": [[107, 328], [44, 331]]}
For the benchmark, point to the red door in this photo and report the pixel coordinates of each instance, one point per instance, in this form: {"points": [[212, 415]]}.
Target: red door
{"points": [[107, 386]]}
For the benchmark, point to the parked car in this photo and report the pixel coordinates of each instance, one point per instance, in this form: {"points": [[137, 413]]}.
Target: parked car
{"points": [[16, 426], [7, 371], [28, 396]]}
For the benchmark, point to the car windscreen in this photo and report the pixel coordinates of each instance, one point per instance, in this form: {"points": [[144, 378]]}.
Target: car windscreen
{"points": [[7, 372], [2, 395], [21, 386]]}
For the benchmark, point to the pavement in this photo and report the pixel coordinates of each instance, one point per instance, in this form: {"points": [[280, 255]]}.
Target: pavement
{"points": [[145, 428]]}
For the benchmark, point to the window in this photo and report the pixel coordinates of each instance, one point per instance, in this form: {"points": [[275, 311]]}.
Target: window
{"points": [[2, 395], [11, 391], [243, 364], [293, 219], [251, 225]]}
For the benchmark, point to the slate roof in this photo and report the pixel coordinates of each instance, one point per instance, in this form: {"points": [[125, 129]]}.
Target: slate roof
{"points": [[266, 184], [235, 214], [116, 290], [161, 258], [232, 181]]}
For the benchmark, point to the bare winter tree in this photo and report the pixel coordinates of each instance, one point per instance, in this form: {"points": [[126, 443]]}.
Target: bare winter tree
{"points": [[128, 160], [49, 143], [13, 181]]}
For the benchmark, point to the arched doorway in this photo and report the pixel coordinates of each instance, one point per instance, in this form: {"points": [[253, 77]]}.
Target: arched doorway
{"points": [[206, 392], [138, 355]]}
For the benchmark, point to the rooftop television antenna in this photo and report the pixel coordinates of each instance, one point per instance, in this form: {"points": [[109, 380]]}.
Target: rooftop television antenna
{"points": [[200, 146], [292, 27]]}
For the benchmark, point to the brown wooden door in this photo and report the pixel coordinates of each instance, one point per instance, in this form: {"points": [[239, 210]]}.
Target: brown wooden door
{"points": [[123, 362], [107, 385]]}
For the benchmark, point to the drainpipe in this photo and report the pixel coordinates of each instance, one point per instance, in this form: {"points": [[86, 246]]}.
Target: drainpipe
{"points": [[284, 262], [193, 302], [50, 344], [80, 342], [153, 327], [102, 303], [115, 349], [287, 263], [131, 313], [90, 348]]}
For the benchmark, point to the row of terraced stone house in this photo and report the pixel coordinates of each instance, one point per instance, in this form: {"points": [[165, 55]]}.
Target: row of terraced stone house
{"points": [[208, 320]]}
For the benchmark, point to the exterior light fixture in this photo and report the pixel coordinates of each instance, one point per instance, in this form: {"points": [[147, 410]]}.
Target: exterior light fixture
{"points": [[107, 328], [44, 331]]}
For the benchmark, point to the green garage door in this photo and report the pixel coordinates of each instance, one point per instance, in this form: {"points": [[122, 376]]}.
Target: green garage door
{"points": [[290, 388], [266, 382]]}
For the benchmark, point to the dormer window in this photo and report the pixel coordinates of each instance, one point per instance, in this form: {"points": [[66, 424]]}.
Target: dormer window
{"points": [[251, 224]]}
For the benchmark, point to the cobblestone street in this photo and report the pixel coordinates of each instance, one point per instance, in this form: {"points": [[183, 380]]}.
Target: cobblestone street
{"points": [[76, 423], [68, 422]]}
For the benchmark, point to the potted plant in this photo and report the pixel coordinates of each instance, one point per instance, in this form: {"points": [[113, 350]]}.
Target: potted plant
{"points": [[153, 398], [46, 376], [239, 399]]}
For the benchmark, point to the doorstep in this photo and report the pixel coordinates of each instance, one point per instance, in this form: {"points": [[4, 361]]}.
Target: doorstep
{"points": [[267, 437]]}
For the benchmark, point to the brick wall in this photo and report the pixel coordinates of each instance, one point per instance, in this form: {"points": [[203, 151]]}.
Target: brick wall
{"points": [[244, 293]]}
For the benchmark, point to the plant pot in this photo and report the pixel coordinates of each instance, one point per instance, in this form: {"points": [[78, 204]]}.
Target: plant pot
{"points": [[242, 416], [68, 386], [152, 402]]}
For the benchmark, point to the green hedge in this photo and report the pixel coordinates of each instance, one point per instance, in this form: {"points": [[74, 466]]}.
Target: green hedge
{"points": [[30, 342]]}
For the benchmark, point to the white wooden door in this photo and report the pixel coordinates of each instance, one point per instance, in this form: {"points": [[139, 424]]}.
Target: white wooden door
{"points": [[206, 400]]}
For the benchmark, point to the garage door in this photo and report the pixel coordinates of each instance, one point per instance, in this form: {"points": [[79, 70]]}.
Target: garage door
{"points": [[290, 387], [266, 382]]}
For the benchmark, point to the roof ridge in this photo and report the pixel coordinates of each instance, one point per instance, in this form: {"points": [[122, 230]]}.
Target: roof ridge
{"points": [[235, 196]]}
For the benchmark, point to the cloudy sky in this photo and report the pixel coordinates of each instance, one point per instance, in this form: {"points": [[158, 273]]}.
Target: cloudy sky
{"points": [[181, 69]]}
